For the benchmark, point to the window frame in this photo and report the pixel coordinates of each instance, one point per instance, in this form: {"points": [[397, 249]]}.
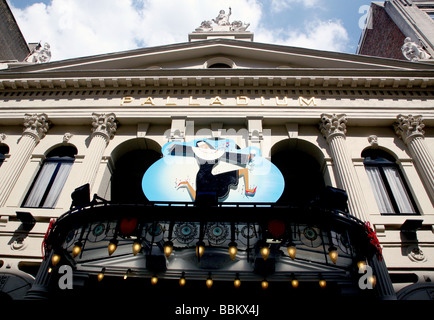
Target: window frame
{"points": [[386, 161], [60, 159]]}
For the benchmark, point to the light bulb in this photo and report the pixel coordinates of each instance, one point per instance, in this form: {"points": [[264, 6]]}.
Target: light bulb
{"points": [[322, 283], [294, 283], [182, 280], [237, 282], [77, 249], [233, 250], [200, 249], [209, 282], [168, 248], [264, 284], [112, 246], [126, 274], [101, 275], [265, 252], [154, 280], [292, 250], [55, 259], [333, 254], [137, 246]]}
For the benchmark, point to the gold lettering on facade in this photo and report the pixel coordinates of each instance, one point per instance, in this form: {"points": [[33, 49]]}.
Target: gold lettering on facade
{"points": [[283, 102], [216, 100], [126, 100], [305, 102], [242, 101], [148, 100], [168, 103], [191, 103]]}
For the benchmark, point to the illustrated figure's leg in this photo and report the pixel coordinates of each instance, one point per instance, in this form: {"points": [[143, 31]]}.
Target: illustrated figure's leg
{"points": [[190, 189], [245, 173]]}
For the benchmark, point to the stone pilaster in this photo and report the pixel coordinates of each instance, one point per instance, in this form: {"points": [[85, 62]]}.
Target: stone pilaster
{"points": [[40, 287], [104, 127], [35, 128], [410, 130], [334, 127]]}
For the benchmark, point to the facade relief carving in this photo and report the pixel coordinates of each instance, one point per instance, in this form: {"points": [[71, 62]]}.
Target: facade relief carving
{"points": [[412, 51], [104, 124], [408, 127], [332, 125], [36, 125]]}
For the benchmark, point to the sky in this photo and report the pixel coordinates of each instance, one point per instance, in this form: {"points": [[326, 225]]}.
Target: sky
{"points": [[79, 28]]}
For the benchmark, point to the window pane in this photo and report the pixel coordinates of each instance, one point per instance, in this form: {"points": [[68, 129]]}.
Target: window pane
{"points": [[58, 184], [380, 193], [40, 185], [398, 189]]}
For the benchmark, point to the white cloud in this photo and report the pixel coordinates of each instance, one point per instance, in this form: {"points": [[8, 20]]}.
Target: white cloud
{"points": [[76, 28], [280, 5], [320, 35]]}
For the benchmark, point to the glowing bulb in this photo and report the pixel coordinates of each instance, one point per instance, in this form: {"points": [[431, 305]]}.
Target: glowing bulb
{"points": [[137, 246], [264, 284], [200, 249], [209, 282], [265, 252], [322, 283], [372, 280], [182, 280], [237, 282], [101, 275], [292, 250], [112, 246], [154, 280], [294, 283], [168, 248], [76, 250], [361, 265], [233, 250], [333, 254], [55, 259], [126, 274]]}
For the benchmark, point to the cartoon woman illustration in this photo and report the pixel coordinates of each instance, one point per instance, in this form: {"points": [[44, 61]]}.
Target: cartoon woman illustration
{"points": [[216, 185]]}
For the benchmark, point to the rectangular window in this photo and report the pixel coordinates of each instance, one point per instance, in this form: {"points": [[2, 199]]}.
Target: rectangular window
{"points": [[389, 190], [49, 183]]}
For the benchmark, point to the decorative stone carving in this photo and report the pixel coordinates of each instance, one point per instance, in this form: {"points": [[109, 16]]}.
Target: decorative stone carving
{"points": [[416, 254], [407, 127], [412, 51], [373, 141], [41, 54], [66, 137], [36, 125], [18, 244], [104, 124], [332, 124], [222, 23]]}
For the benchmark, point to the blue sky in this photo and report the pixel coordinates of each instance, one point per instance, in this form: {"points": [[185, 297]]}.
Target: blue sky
{"points": [[77, 28]]}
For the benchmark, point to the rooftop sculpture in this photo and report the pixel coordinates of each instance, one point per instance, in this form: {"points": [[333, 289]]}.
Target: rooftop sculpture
{"points": [[222, 23]]}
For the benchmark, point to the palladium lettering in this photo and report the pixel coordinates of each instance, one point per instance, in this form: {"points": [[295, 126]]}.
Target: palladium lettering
{"points": [[218, 101]]}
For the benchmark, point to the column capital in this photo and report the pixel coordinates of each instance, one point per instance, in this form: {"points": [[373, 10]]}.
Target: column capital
{"points": [[409, 127], [36, 125], [104, 124], [333, 125]]}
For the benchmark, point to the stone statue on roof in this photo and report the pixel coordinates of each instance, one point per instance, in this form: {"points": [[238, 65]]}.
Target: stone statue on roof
{"points": [[412, 51], [41, 54], [222, 23]]}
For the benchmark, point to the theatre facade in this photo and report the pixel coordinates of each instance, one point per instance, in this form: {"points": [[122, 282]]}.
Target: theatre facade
{"points": [[217, 163]]}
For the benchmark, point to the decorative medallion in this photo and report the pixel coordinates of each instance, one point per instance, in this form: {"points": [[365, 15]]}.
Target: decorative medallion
{"points": [[97, 232], [416, 254], [311, 237], [217, 233], [186, 232]]}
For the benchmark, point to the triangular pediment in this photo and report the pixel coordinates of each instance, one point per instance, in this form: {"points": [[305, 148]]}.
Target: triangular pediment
{"points": [[239, 54]]}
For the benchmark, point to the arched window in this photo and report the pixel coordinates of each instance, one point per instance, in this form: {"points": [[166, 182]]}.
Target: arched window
{"points": [[51, 178], [4, 149], [388, 184], [219, 66]]}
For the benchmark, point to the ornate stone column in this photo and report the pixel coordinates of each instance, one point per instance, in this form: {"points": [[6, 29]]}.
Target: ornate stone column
{"points": [[40, 288], [103, 130], [410, 130], [333, 128], [36, 127]]}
